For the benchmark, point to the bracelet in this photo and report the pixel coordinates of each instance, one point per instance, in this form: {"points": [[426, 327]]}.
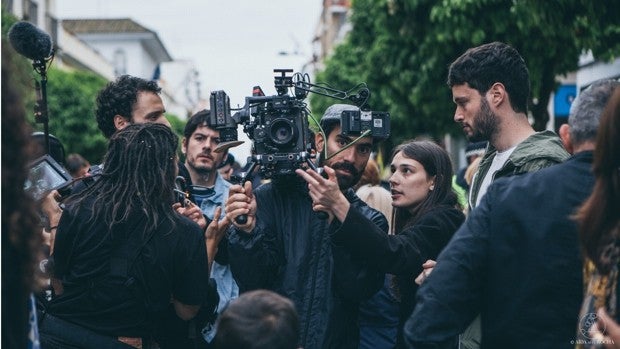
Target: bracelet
{"points": [[52, 228]]}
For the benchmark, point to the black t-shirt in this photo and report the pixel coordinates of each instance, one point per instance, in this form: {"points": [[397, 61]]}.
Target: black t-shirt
{"points": [[173, 263]]}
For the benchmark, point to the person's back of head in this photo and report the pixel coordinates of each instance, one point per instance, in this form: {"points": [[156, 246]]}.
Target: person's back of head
{"points": [[586, 110], [481, 67], [258, 319], [118, 98], [598, 217], [138, 175], [77, 165]]}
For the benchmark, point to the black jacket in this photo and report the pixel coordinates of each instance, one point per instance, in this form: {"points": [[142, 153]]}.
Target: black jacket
{"points": [[516, 260], [290, 251], [404, 253]]}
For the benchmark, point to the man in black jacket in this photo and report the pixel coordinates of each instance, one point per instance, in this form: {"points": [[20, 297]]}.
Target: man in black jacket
{"points": [[516, 260], [286, 247]]}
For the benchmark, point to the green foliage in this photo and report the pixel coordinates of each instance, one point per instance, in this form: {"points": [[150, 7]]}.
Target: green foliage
{"points": [[71, 104], [178, 126], [21, 67], [402, 49], [7, 21]]}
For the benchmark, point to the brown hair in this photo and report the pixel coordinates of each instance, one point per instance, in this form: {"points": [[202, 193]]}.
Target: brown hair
{"points": [[370, 175]]}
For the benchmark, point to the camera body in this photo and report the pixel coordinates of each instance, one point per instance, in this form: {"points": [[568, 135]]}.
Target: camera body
{"points": [[278, 125], [356, 122]]}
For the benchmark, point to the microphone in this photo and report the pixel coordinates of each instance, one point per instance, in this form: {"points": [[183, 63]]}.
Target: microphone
{"points": [[30, 41]]}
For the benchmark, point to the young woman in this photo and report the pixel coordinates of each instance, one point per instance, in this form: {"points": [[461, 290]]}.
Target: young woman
{"points": [[121, 253], [426, 215]]}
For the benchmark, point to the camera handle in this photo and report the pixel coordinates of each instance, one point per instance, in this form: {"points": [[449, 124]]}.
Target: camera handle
{"points": [[247, 173], [320, 214], [241, 179]]}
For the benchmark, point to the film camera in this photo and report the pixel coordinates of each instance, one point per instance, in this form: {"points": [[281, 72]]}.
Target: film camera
{"points": [[278, 125]]}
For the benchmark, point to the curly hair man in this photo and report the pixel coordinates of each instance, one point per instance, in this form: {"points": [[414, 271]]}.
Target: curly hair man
{"points": [[129, 100]]}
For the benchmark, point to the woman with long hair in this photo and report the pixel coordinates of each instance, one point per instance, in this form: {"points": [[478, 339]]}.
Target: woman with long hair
{"points": [[426, 215], [121, 253]]}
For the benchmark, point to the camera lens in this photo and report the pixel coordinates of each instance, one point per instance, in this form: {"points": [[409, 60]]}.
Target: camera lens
{"points": [[282, 131]]}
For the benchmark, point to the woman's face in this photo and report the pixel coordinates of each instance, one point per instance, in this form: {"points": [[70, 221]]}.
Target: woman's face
{"points": [[410, 184]]}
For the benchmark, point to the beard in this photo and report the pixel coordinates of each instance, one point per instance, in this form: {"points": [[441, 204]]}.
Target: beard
{"points": [[344, 181], [199, 168], [484, 123]]}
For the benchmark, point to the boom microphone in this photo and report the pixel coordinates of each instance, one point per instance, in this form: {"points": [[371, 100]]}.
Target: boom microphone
{"points": [[30, 41]]}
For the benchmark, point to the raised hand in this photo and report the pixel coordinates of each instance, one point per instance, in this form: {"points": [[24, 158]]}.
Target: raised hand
{"points": [[214, 233], [192, 212]]}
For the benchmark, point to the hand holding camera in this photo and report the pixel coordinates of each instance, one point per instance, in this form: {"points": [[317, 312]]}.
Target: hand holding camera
{"points": [[241, 202]]}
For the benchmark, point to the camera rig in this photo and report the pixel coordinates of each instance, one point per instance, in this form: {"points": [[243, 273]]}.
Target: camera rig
{"points": [[278, 125]]}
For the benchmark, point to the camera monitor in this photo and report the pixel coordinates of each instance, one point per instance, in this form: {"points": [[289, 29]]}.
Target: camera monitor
{"points": [[44, 176]]}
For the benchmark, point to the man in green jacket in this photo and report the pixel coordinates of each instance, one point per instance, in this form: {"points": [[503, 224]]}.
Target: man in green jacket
{"points": [[490, 87]]}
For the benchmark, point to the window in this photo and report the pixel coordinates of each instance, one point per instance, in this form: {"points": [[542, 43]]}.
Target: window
{"points": [[120, 62]]}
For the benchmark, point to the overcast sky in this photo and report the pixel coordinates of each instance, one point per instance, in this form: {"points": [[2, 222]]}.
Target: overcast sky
{"points": [[235, 44]]}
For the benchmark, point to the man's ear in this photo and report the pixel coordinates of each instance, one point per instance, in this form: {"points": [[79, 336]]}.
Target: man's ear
{"points": [[319, 142], [497, 94], [565, 137], [184, 145], [120, 122]]}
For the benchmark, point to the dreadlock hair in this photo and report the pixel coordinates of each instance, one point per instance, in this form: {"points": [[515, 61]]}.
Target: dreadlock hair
{"points": [[436, 162], [118, 98], [138, 176]]}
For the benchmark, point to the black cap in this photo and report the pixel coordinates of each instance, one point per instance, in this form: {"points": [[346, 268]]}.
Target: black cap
{"points": [[334, 112], [476, 148]]}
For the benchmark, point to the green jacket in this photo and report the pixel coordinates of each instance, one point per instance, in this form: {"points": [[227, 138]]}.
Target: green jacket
{"points": [[540, 150]]}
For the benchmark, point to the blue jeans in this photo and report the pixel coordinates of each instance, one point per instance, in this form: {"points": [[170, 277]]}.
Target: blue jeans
{"points": [[56, 333]]}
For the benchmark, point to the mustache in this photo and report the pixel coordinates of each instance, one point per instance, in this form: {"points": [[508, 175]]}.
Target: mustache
{"points": [[347, 167]]}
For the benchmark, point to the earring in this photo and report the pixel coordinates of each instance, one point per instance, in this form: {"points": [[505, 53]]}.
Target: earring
{"points": [[431, 188]]}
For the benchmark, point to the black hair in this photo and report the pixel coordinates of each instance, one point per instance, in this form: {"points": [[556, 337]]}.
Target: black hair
{"points": [[258, 319], [75, 162], [480, 67], [138, 176], [118, 98], [201, 118]]}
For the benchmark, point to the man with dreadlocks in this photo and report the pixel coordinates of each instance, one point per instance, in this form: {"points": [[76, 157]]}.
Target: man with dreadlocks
{"points": [[122, 252]]}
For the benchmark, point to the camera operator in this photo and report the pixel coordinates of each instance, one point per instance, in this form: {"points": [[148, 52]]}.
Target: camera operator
{"points": [[122, 252], [285, 246]]}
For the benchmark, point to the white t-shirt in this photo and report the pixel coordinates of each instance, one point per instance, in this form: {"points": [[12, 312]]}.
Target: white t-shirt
{"points": [[499, 160]]}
